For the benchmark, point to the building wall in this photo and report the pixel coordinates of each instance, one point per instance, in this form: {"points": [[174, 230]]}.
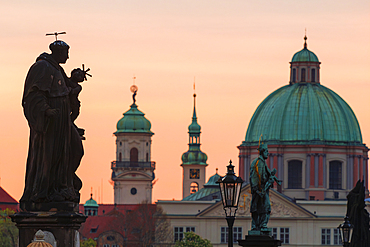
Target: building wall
{"points": [[315, 168], [126, 141], [123, 195], [304, 219]]}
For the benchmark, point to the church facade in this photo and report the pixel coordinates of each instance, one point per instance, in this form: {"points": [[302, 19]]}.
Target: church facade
{"points": [[315, 143], [313, 136]]}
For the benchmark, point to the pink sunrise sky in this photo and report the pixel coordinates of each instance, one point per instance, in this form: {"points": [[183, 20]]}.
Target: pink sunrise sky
{"points": [[238, 51]]}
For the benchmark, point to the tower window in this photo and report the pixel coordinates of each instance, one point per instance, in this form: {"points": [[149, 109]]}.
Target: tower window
{"points": [[335, 174], [295, 174], [134, 157], [147, 157], [120, 156], [120, 143], [294, 74], [194, 187], [303, 75], [313, 75]]}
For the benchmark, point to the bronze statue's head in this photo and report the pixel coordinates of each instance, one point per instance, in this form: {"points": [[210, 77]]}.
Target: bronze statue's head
{"points": [[59, 51], [263, 150]]}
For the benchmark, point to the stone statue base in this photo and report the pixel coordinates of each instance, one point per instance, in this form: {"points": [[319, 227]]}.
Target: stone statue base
{"points": [[259, 241], [265, 232], [49, 206], [62, 225]]}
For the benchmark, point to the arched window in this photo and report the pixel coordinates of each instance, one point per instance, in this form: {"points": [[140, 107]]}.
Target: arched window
{"points": [[313, 75], [194, 187], [295, 174], [147, 157], [120, 156], [134, 157], [294, 75], [303, 75], [335, 174]]}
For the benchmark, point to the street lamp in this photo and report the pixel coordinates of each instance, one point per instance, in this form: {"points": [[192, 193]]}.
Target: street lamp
{"points": [[230, 187], [346, 230]]}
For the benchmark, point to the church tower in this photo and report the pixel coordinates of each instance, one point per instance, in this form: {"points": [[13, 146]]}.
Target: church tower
{"points": [[133, 170], [193, 161]]}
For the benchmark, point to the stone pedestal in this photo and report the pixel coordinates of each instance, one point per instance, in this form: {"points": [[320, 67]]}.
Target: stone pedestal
{"points": [[62, 224], [259, 241]]}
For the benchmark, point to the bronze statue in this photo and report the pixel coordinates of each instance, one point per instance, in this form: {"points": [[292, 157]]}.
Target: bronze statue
{"points": [[261, 180], [50, 103]]}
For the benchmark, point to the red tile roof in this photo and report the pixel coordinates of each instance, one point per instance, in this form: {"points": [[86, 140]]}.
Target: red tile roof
{"points": [[6, 198], [7, 201]]}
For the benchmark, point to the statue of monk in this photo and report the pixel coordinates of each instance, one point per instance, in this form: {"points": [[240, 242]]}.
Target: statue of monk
{"points": [[50, 103]]}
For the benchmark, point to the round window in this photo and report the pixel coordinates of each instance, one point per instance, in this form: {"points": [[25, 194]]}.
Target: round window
{"points": [[133, 191]]}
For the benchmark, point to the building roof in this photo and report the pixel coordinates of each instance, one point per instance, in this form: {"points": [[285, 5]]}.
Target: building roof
{"points": [[304, 55], [116, 218], [91, 203], [133, 121], [5, 198], [209, 192], [304, 113]]}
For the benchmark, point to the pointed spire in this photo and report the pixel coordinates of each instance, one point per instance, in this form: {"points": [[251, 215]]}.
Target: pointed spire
{"points": [[305, 39], [194, 111]]}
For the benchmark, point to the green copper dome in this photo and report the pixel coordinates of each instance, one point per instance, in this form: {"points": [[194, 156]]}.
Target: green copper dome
{"points": [[91, 203], [196, 157], [305, 55], [133, 121], [304, 113]]}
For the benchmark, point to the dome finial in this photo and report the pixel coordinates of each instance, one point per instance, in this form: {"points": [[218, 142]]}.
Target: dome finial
{"points": [[134, 89], [305, 38]]}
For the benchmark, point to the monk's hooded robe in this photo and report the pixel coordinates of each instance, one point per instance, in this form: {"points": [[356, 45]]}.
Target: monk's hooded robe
{"points": [[55, 147]]}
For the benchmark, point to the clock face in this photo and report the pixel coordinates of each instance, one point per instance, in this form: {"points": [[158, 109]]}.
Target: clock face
{"points": [[194, 173]]}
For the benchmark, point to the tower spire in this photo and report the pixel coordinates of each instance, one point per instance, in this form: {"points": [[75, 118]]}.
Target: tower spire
{"points": [[194, 111], [305, 38]]}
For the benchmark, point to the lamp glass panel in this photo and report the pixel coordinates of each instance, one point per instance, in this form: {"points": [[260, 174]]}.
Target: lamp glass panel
{"points": [[345, 235], [222, 189], [230, 194], [350, 231], [237, 194]]}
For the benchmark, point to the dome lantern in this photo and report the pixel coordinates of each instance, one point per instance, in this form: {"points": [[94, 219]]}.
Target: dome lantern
{"points": [[305, 66]]}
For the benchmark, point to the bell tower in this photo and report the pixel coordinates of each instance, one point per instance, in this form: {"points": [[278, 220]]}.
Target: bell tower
{"points": [[133, 170], [194, 160]]}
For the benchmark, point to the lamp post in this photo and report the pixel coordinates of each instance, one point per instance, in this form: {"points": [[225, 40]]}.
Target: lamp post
{"points": [[230, 187], [346, 230]]}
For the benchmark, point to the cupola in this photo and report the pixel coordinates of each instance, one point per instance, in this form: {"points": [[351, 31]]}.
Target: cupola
{"points": [[91, 207], [305, 66]]}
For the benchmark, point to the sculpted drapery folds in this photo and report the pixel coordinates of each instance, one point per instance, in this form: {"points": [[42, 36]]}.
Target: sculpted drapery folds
{"points": [[50, 103]]}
